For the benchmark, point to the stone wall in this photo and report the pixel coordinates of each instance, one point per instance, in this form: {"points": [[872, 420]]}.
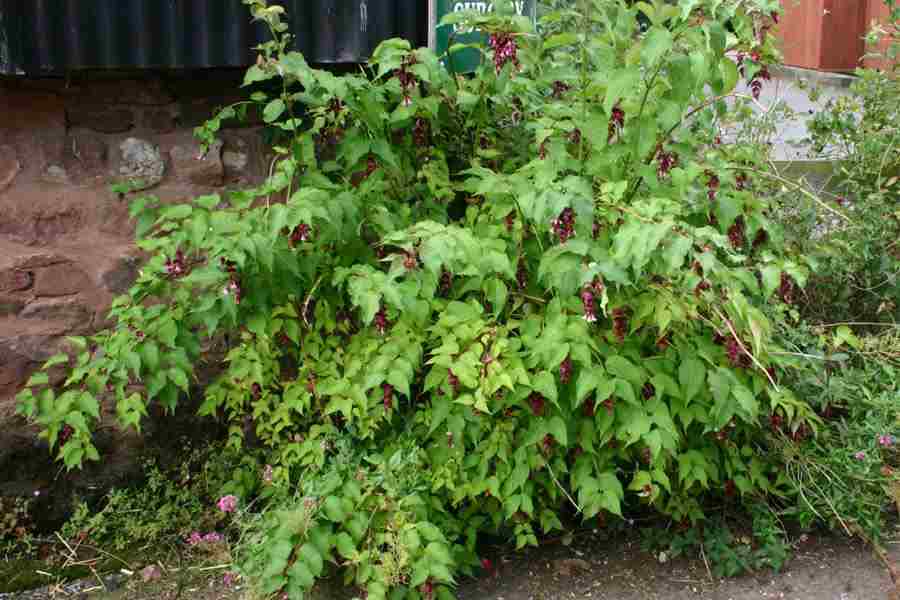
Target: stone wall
{"points": [[65, 238]]}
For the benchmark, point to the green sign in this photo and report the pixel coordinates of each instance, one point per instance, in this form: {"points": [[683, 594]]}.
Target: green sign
{"points": [[467, 60]]}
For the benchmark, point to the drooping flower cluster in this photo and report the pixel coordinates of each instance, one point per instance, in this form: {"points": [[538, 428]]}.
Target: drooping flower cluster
{"points": [[410, 260], [587, 304], [563, 226], [301, 233], [233, 287], [176, 267], [505, 50], [381, 321], [666, 161], [407, 78], [886, 441], [616, 122]]}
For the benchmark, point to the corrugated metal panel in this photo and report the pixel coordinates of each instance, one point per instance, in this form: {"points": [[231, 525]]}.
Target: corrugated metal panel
{"points": [[41, 37]]}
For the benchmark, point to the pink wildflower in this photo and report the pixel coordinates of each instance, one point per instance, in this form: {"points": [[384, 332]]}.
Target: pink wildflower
{"points": [[227, 503]]}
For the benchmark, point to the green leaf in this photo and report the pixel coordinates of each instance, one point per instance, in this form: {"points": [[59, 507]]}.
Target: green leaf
{"points": [[496, 292], [439, 552], [334, 510], [560, 39], [557, 428], [149, 353], [301, 574], [545, 384], [691, 376], [657, 43], [623, 81], [620, 366], [729, 74], [273, 110], [39, 378], [345, 546], [312, 558], [56, 359], [178, 377]]}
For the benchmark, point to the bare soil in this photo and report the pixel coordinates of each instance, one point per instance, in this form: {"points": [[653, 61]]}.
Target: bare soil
{"points": [[593, 566]]}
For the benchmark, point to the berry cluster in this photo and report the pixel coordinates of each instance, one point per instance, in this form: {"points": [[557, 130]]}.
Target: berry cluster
{"points": [[505, 50], [559, 88], [589, 408], [610, 405], [736, 355], [510, 220], [565, 370], [522, 275], [563, 226], [712, 183], [786, 289], [453, 380], [736, 233], [388, 396], [536, 401], [65, 434], [360, 176], [421, 132], [620, 324], [445, 283], [756, 83]]}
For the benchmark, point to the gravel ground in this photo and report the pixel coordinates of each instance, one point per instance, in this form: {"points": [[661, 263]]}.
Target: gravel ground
{"points": [[592, 567]]}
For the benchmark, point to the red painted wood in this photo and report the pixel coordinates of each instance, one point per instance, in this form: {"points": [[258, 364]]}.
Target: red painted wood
{"points": [[823, 34], [800, 32]]}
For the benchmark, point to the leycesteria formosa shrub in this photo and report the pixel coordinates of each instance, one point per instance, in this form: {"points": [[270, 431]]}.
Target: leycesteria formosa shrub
{"points": [[464, 305]]}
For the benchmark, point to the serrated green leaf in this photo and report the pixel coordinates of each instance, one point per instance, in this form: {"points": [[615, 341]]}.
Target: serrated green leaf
{"points": [[557, 428], [334, 509], [345, 546]]}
